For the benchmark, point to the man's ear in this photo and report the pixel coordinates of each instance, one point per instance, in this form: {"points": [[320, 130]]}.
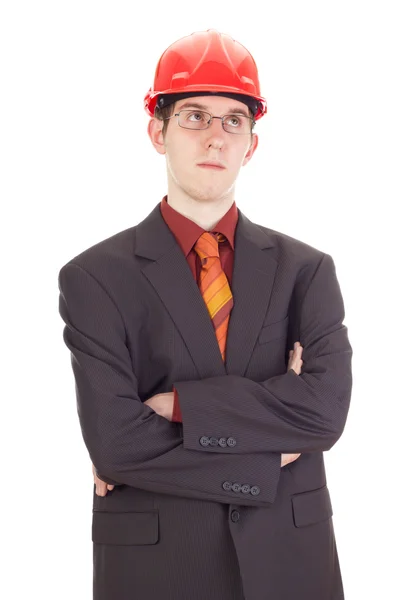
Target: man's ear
{"points": [[251, 150], [154, 130]]}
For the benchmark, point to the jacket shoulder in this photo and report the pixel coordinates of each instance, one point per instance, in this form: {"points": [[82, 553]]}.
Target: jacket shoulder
{"points": [[289, 245], [107, 254]]}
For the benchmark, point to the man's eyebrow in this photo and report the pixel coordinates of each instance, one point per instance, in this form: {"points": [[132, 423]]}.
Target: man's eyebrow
{"points": [[232, 110]]}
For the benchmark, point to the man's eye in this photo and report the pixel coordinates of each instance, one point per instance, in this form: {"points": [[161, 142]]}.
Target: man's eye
{"points": [[196, 114], [237, 121]]}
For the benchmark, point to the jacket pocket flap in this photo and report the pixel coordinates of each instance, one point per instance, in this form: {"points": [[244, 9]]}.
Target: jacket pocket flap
{"points": [[125, 528], [311, 507], [273, 331]]}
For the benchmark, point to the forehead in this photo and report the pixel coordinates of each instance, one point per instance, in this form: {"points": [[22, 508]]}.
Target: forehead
{"points": [[214, 104]]}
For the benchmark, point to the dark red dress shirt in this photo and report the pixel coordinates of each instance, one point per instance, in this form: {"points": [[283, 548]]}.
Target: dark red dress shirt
{"points": [[187, 233]]}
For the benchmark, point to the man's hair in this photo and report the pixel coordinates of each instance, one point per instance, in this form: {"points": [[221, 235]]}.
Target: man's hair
{"points": [[167, 111]]}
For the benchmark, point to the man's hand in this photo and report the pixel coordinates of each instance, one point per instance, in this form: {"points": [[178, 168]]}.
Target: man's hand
{"points": [[295, 363], [101, 486], [163, 405]]}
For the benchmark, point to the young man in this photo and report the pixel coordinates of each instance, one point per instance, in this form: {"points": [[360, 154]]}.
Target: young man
{"points": [[187, 335]]}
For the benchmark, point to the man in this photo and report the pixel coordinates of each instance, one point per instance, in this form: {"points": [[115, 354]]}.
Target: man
{"points": [[187, 335]]}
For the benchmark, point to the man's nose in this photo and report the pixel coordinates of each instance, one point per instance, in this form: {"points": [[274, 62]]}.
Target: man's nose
{"points": [[215, 133]]}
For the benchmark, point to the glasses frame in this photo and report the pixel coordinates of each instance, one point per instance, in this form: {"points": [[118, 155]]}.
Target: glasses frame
{"points": [[209, 122]]}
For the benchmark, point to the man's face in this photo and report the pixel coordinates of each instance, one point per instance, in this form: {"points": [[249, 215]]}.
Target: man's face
{"points": [[186, 148]]}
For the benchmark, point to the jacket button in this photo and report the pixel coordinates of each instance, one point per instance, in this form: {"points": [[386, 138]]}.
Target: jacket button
{"points": [[235, 516], [255, 490], [245, 488], [213, 441], [204, 440], [227, 486], [236, 487], [231, 442], [222, 442]]}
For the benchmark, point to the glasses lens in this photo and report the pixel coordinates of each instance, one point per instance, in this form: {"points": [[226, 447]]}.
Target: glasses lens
{"points": [[194, 119], [237, 124]]}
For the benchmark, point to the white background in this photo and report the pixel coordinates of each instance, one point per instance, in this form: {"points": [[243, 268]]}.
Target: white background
{"points": [[77, 166]]}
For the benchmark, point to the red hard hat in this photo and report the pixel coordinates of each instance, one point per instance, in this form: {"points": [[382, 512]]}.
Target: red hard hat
{"points": [[206, 61]]}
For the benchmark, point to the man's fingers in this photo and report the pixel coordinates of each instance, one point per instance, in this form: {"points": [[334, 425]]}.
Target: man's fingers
{"points": [[295, 362], [288, 458], [101, 487], [100, 490]]}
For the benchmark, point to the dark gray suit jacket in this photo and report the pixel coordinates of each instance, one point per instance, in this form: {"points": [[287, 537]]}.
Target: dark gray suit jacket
{"points": [[203, 509]]}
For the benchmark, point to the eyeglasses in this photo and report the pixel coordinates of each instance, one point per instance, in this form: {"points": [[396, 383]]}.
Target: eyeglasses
{"points": [[198, 119]]}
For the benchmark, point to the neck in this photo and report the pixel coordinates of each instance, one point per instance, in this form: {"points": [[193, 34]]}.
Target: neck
{"points": [[205, 212]]}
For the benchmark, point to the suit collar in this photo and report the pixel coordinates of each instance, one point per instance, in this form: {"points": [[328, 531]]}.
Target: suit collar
{"points": [[154, 238]]}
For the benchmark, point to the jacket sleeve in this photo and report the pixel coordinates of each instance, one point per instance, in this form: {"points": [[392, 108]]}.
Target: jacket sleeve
{"points": [[287, 413], [128, 442]]}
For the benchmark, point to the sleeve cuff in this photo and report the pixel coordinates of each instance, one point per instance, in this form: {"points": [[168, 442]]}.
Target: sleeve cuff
{"points": [[176, 412]]}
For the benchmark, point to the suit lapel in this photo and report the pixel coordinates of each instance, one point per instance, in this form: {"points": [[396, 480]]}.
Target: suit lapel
{"points": [[169, 273], [252, 280]]}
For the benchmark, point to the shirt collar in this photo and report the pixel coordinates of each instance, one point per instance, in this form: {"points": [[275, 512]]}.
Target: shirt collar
{"points": [[187, 232]]}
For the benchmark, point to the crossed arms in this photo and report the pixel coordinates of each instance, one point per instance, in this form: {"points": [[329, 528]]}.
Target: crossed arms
{"points": [[131, 444]]}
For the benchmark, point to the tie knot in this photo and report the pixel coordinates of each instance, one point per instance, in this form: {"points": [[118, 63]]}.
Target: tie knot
{"points": [[207, 245]]}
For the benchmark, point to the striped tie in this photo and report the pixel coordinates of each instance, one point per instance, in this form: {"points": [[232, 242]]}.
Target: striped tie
{"points": [[214, 285]]}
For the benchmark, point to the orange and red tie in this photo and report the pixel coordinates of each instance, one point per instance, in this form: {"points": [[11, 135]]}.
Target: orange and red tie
{"points": [[214, 285]]}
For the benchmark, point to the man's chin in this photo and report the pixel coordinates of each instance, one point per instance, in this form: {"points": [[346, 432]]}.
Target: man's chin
{"points": [[207, 193], [206, 197]]}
